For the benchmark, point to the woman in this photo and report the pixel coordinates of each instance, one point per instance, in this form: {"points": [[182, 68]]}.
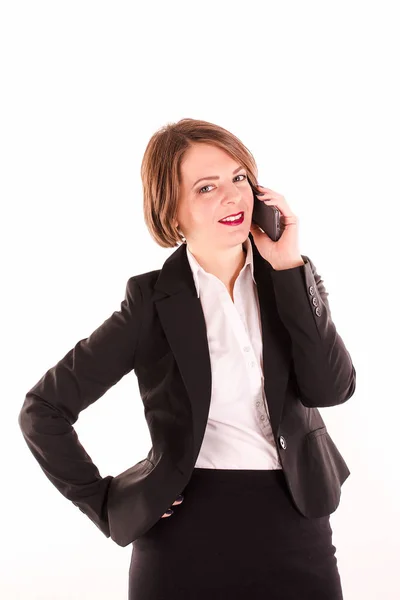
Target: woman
{"points": [[234, 348]]}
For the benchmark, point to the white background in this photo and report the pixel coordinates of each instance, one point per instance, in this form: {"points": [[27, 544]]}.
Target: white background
{"points": [[311, 88]]}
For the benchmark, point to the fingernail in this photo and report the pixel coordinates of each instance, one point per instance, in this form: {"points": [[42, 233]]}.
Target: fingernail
{"points": [[169, 511], [180, 497]]}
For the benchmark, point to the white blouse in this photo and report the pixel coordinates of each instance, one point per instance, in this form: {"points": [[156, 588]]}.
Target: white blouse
{"points": [[238, 433]]}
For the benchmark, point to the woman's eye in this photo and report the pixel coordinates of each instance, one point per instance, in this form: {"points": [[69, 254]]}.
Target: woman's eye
{"points": [[206, 186], [203, 188]]}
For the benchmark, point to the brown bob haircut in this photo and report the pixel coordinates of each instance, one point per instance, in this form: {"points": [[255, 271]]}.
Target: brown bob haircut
{"points": [[161, 171]]}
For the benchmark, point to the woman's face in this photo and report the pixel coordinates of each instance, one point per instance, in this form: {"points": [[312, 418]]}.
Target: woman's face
{"points": [[203, 203]]}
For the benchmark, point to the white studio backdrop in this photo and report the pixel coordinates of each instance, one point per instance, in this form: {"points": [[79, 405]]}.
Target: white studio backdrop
{"points": [[311, 88]]}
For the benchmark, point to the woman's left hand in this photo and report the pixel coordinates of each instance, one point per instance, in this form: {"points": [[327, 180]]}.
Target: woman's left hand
{"points": [[285, 252]]}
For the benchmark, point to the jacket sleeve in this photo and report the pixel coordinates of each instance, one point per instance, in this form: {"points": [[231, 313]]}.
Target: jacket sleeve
{"points": [[53, 404], [323, 367]]}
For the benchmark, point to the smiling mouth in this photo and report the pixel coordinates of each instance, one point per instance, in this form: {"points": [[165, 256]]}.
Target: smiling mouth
{"points": [[238, 216], [233, 221]]}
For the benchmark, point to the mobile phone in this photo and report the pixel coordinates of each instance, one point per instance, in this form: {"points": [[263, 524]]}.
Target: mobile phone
{"points": [[267, 217]]}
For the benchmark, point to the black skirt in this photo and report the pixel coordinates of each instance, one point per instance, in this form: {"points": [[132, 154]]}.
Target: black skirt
{"points": [[238, 535]]}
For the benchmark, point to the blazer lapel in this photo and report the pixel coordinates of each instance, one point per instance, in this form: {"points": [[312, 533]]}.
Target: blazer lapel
{"points": [[181, 316]]}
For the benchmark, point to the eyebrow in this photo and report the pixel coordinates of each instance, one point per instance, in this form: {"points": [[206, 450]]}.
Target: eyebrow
{"points": [[216, 176]]}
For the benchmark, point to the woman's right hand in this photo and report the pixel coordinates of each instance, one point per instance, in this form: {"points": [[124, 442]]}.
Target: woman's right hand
{"points": [[169, 512]]}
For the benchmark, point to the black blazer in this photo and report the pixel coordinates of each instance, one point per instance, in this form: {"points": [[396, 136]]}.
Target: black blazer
{"points": [[160, 332]]}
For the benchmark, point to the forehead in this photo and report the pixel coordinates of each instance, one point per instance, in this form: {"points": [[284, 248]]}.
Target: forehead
{"points": [[202, 160]]}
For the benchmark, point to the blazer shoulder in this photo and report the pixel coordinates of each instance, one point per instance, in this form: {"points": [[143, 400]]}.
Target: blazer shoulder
{"points": [[144, 282], [144, 279]]}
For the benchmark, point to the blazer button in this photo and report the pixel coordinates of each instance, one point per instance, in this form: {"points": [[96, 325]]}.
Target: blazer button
{"points": [[315, 301], [311, 290], [318, 312], [282, 442]]}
